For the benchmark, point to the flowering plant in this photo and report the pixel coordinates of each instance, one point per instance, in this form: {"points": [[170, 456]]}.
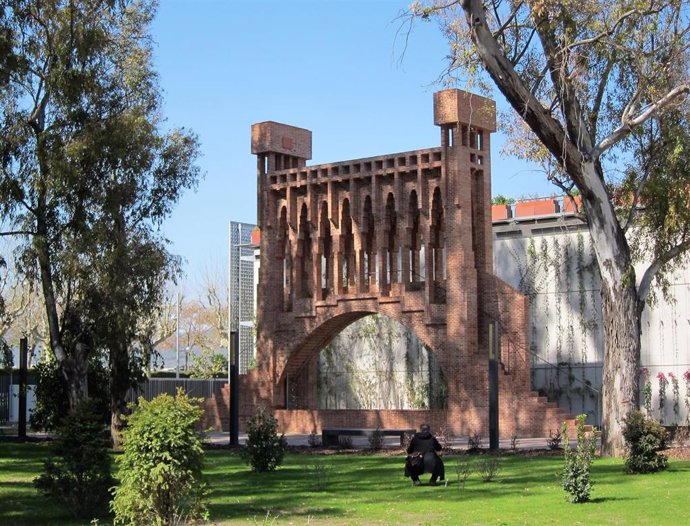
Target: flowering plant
{"points": [[663, 382], [686, 377], [675, 390]]}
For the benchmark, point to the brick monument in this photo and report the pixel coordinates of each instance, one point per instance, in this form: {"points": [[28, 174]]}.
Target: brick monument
{"points": [[407, 235]]}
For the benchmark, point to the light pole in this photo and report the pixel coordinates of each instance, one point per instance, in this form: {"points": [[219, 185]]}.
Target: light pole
{"points": [[177, 334], [234, 405]]}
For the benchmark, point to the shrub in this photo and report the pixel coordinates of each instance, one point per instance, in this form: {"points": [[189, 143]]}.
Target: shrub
{"points": [[489, 467], [161, 463], [313, 439], [474, 443], [576, 480], [345, 442], [79, 475], [644, 438], [319, 474], [554, 440], [376, 439], [463, 469], [52, 403], [265, 449]]}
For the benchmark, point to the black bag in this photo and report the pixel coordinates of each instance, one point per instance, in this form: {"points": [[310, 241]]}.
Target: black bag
{"points": [[416, 461]]}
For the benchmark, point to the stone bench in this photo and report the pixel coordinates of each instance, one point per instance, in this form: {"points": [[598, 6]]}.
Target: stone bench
{"points": [[330, 437]]}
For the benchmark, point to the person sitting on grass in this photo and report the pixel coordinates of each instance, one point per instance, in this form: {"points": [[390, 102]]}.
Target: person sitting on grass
{"points": [[422, 457]]}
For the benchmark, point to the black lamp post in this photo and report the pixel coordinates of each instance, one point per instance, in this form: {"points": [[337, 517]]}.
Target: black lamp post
{"points": [[234, 405]]}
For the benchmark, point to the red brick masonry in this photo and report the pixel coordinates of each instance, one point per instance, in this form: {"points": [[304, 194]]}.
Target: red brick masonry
{"points": [[407, 235]]}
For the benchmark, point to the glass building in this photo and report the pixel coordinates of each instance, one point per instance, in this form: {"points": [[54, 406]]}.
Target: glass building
{"points": [[241, 277]]}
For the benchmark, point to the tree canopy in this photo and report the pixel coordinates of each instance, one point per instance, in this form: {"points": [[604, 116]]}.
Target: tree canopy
{"points": [[89, 169]]}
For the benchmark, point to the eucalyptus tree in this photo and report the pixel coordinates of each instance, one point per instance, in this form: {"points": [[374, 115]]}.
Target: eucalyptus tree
{"points": [[601, 90], [89, 171]]}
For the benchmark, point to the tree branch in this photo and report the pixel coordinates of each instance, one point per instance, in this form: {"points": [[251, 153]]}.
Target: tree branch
{"points": [[647, 113], [545, 127], [650, 273], [17, 233]]}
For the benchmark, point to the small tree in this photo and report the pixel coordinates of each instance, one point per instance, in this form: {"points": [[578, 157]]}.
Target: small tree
{"points": [[265, 449], [576, 480], [161, 464], [644, 439], [79, 475]]}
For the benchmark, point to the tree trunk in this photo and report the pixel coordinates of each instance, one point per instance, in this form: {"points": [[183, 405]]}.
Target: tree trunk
{"points": [[119, 385], [75, 371], [620, 395]]}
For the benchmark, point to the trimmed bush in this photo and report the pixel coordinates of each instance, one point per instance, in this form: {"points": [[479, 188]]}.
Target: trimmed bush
{"points": [[575, 480], [644, 438], [79, 474], [265, 449], [160, 467]]}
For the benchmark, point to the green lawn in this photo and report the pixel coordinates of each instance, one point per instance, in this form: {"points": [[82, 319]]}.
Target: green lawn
{"points": [[370, 489]]}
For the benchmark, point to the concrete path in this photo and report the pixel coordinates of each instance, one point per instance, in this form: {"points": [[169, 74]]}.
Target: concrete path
{"points": [[461, 443]]}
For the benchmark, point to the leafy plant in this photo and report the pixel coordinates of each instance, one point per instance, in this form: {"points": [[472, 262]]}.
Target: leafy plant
{"points": [[502, 200], [646, 390], [264, 449], [161, 464], [78, 475], [554, 440], [675, 391], [376, 439], [686, 377], [644, 439], [576, 472], [663, 382], [313, 439]]}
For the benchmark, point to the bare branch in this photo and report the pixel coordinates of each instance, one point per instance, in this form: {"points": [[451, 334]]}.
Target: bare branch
{"points": [[612, 29], [647, 113], [650, 273], [17, 233]]}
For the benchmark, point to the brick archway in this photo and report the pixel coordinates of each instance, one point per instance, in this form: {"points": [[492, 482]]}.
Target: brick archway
{"points": [[407, 235]]}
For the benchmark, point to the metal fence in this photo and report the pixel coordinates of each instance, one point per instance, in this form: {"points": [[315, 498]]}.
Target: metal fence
{"points": [[5, 399], [194, 388]]}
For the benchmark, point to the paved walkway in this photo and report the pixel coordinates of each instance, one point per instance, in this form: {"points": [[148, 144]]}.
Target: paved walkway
{"points": [[218, 438]]}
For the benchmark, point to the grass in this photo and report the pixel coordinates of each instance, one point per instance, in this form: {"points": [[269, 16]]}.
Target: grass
{"points": [[370, 489]]}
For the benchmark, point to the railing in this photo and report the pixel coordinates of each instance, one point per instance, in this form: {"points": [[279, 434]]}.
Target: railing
{"points": [[195, 388], [4, 407]]}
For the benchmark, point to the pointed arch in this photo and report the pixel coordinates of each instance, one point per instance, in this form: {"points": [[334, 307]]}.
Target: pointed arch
{"points": [[285, 255], [437, 250], [305, 279], [414, 260], [389, 255], [325, 252], [367, 257], [347, 249]]}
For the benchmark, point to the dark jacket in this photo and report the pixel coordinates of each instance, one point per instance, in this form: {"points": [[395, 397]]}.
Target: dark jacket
{"points": [[426, 444]]}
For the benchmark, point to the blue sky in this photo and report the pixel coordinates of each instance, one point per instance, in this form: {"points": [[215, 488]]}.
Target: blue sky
{"points": [[339, 68]]}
